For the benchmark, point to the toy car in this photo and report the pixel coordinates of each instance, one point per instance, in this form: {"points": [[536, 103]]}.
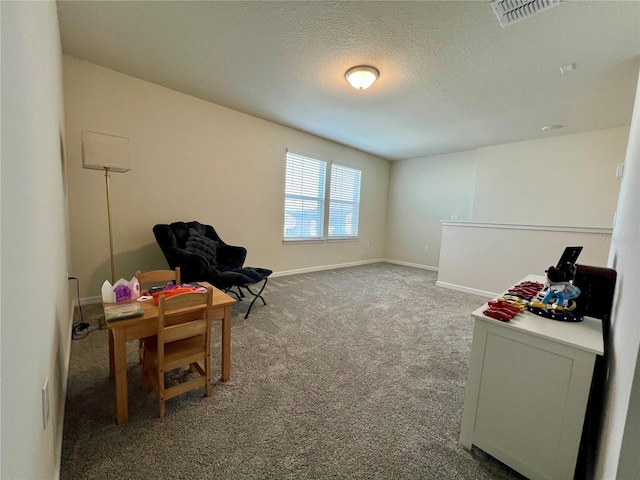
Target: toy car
{"points": [[498, 314]]}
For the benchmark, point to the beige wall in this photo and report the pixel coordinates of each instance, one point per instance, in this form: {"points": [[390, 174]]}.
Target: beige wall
{"points": [[488, 258], [567, 180], [422, 192], [618, 454], [36, 323], [561, 181], [193, 160]]}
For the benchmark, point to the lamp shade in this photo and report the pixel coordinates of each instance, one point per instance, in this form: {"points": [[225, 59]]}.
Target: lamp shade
{"points": [[101, 150], [362, 76]]}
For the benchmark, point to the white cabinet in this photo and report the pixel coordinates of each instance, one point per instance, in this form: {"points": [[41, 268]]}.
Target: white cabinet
{"points": [[528, 389]]}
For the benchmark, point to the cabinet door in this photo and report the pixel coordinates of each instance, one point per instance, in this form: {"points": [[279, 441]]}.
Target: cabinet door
{"points": [[530, 401]]}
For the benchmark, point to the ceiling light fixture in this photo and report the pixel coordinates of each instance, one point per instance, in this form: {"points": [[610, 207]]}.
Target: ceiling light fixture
{"points": [[512, 11], [362, 76]]}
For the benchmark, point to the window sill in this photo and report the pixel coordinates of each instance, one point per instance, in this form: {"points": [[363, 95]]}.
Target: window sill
{"points": [[343, 239], [294, 241]]}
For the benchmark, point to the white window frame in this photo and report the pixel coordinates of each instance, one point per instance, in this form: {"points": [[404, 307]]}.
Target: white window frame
{"points": [[337, 197], [298, 187], [328, 174]]}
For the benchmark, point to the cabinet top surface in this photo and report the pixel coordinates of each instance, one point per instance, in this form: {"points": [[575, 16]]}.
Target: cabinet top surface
{"points": [[585, 335]]}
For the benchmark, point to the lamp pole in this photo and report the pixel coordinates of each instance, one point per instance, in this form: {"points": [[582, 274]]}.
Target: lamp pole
{"points": [[113, 270], [111, 153]]}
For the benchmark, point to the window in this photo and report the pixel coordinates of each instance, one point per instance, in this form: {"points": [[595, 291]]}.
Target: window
{"points": [[306, 206], [344, 201], [304, 197]]}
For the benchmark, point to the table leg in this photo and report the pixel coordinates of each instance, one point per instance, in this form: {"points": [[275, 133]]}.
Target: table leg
{"points": [[226, 344], [112, 368], [120, 359]]}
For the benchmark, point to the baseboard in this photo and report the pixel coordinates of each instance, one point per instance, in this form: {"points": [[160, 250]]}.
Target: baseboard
{"points": [[64, 381], [460, 288], [285, 273], [409, 264], [90, 300]]}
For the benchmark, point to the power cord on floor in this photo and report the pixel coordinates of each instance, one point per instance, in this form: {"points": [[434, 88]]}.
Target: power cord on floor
{"points": [[80, 330]]}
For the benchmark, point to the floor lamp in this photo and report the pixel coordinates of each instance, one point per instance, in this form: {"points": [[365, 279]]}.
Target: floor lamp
{"points": [[101, 151]]}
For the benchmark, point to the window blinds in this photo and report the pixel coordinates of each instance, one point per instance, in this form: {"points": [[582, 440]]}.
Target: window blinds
{"points": [[306, 207], [344, 201], [304, 197]]}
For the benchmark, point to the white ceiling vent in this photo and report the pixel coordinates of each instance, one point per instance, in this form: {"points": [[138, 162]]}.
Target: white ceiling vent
{"points": [[512, 11]]}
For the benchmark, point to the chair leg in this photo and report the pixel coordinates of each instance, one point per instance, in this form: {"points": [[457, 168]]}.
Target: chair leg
{"points": [[146, 368], [161, 392], [256, 296], [207, 371], [228, 290]]}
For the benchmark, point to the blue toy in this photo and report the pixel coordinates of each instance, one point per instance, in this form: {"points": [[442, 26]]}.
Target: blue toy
{"points": [[557, 302]]}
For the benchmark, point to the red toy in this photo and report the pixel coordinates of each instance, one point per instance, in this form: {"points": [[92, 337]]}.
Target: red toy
{"points": [[498, 314], [172, 292]]}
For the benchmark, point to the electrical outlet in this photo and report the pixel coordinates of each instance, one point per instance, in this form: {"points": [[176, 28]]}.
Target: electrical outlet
{"points": [[45, 403], [426, 249], [368, 244], [454, 218]]}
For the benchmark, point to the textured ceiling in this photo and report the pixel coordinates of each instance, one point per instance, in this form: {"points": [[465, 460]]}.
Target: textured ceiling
{"points": [[451, 78]]}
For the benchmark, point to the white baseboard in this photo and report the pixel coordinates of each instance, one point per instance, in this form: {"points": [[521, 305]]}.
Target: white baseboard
{"points": [[284, 273], [460, 288], [64, 382], [89, 300], [408, 264]]}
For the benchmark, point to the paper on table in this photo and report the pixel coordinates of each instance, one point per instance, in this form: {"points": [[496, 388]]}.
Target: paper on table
{"points": [[120, 312]]}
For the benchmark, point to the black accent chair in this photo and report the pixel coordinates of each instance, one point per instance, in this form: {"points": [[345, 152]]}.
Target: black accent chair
{"points": [[204, 257]]}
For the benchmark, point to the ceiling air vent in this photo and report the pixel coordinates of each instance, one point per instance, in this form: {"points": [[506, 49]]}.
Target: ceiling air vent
{"points": [[512, 11]]}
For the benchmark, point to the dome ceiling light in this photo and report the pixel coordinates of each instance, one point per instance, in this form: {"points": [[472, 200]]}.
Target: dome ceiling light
{"points": [[362, 76]]}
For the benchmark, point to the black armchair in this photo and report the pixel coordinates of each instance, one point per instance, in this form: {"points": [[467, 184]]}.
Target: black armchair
{"points": [[195, 267], [203, 256]]}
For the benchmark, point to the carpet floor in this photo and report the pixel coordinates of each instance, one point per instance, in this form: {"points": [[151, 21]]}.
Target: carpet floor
{"points": [[354, 373]]}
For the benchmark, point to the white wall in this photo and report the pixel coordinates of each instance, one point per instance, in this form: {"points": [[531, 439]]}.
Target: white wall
{"points": [[561, 181], [488, 258], [567, 180], [35, 305], [618, 454], [628, 460], [193, 160], [424, 191]]}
